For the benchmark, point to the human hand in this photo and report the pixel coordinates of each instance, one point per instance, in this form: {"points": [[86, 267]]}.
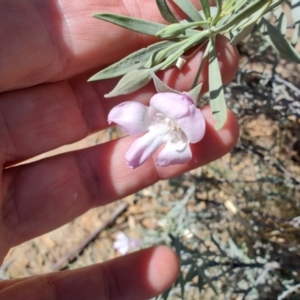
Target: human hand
{"points": [[48, 51]]}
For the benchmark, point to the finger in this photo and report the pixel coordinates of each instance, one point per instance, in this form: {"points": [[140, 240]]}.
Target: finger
{"points": [[140, 275], [53, 40], [51, 115], [49, 193]]}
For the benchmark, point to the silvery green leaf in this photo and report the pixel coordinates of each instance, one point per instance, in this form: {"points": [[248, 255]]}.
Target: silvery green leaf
{"points": [[217, 98], [274, 4], [131, 82], [206, 8], [231, 4], [241, 15], [174, 30], [165, 11], [218, 4], [238, 36], [296, 11], [213, 13], [245, 27], [279, 43], [160, 86], [131, 62], [161, 54], [186, 44], [203, 60], [216, 16], [187, 7], [295, 36], [194, 94], [281, 20], [138, 25], [224, 20]]}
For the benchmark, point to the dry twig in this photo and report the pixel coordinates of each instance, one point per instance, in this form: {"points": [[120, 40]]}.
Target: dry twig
{"points": [[63, 262]]}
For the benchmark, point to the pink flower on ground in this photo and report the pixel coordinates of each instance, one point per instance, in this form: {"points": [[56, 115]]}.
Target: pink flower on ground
{"points": [[171, 120], [123, 243]]}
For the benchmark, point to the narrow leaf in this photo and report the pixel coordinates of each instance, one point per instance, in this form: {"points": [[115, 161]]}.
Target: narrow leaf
{"points": [[217, 98], [237, 36], [165, 295], [165, 11], [239, 16], [131, 82], [188, 43], [131, 62], [187, 7], [218, 4], [231, 5], [281, 21], [161, 54], [203, 60], [206, 8], [275, 4], [295, 37], [245, 27], [134, 24], [279, 43], [192, 272], [174, 30]]}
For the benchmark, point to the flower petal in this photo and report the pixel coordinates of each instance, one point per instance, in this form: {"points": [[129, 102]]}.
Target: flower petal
{"points": [[172, 105], [193, 124], [131, 116], [182, 110], [122, 248], [174, 153], [121, 243], [143, 147]]}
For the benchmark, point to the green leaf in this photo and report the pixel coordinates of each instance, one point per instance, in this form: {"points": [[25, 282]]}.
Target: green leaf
{"points": [[279, 43], [295, 37], [281, 21], [160, 86], [161, 54], [187, 7], [138, 25], [236, 36], [165, 11], [240, 15], [217, 98], [174, 30], [203, 60], [204, 279], [131, 62], [192, 272], [186, 44], [231, 5], [194, 94], [216, 17], [131, 82], [275, 4], [165, 295], [206, 8], [245, 27]]}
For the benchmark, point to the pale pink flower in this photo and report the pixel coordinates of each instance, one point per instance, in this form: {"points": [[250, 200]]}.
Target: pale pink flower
{"points": [[171, 120], [123, 243]]}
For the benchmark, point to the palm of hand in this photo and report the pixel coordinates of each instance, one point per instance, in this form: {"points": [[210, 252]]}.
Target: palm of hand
{"points": [[50, 49]]}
